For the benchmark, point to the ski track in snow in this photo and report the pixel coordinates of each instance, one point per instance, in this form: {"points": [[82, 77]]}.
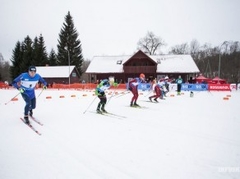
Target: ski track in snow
{"points": [[179, 137]]}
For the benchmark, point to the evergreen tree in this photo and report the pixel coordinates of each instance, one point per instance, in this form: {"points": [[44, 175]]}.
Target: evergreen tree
{"points": [[52, 58], [35, 51], [69, 47], [1, 66], [4, 71], [27, 54], [43, 56], [40, 56], [16, 60]]}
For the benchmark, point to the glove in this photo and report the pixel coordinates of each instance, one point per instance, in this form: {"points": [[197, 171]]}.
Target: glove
{"points": [[106, 83], [115, 84], [22, 90], [44, 87], [130, 88]]}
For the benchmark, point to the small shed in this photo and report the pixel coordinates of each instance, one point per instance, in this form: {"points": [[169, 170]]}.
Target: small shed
{"points": [[59, 74]]}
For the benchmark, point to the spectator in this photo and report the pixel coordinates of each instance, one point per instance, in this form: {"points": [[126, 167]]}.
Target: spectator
{"points": [[179, 82]]}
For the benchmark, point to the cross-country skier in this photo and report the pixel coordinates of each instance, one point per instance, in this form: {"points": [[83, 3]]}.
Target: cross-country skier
{"points": [[26, 83], [167, 83], [156, 89], [133, 87], [162, 85], [100, 92]]}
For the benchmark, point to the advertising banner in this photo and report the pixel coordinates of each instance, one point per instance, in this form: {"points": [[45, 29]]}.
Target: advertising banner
{"points": [[144, 86], [194, 87], [234, 87], [219, 87]]}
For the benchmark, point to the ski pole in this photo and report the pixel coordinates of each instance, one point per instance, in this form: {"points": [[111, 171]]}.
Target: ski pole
{"points": [[12, 99], [114, 92], [111, 97], [117, 95], [40, 93], [148, 93], [89, 105], [209, 92], [122, 94], [151, 89]]}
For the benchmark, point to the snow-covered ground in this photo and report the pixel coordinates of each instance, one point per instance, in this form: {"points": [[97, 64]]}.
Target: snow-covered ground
{"points": [[178, 138]]}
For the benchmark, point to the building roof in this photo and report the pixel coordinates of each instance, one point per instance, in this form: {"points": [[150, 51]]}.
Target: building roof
{"points": [[107, 64], [175, 64], [166, 64], [55, 71]]}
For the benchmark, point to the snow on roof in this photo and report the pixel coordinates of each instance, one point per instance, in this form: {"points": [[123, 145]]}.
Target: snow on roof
{"points": [[175, 64], [107, 64], [54, 71], [166, 64]]}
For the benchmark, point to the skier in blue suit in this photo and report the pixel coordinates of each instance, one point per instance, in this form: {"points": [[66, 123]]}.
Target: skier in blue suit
{"points": [[26, 83]]}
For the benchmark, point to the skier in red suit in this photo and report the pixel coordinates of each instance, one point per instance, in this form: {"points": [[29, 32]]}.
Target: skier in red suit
{"points": [[133, 87], [157, 90]]}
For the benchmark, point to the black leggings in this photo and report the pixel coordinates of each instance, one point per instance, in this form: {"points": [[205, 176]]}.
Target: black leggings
{"points": [[103, 99], [179, 86]]}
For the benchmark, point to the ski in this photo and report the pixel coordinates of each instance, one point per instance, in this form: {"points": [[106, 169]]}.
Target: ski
{"points": [[107, 115], [113, 114], [36, 120], [138, 107], [154, 102], [31, 127], [110, 115]]}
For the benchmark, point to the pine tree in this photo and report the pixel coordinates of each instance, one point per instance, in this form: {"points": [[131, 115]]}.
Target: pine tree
{"points": [[27, 54], [35, 51], [40, 56], [22, 57], [16, 60], [52, 58], [69, 47]]}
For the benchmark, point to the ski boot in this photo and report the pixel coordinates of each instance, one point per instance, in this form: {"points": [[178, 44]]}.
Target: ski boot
{"points": [[31, 113], [26, 120], [136, 105], [98, 111], [103, 110]]}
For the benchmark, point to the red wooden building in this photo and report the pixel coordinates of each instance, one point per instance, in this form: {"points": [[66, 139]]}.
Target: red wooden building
{"points": [[124, 67]]}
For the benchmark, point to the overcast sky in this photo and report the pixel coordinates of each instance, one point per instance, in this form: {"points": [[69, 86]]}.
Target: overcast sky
{"points": [[113, 27]]}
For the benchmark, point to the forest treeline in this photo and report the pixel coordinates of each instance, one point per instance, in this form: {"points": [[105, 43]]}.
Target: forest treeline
{"points": [[222, 61]]}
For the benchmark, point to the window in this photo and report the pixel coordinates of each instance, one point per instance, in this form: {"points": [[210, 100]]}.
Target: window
{"points": [[74, 74], [119, 62]]}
